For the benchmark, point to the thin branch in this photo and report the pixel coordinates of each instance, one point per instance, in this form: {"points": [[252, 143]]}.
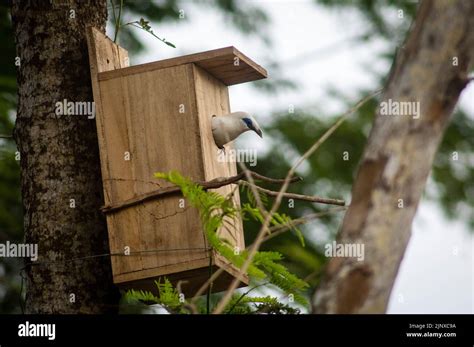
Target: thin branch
{"points": [[253, 174], [212, 184], [260, 236], [203, 288], [136, 25], [309, 198], [143, 25], [209, 290], [117, 21], [280, 229], [252, 185], [113, 13]]}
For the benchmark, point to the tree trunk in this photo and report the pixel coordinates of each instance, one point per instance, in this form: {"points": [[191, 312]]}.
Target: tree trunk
{"points": [[431, 69], [60, 171]]}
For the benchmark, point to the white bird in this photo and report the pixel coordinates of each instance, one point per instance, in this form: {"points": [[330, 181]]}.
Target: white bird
{"points": [[228, 127]]}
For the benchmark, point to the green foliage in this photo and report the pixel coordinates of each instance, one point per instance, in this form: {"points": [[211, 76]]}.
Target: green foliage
{"points": [[132, 296], [278, 219], [280, 276], [375, 12], [213, 208], [251, 197], [168, 297], [258, 304]]}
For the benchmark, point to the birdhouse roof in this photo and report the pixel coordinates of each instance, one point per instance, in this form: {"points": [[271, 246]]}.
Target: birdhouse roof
{"points": [[227, 64]]}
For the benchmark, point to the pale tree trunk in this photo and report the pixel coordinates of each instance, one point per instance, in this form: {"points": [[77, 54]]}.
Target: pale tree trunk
{"points": [[59, 159], [398, 158]]}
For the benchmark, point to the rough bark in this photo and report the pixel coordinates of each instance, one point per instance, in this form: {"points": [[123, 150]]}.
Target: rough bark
{"points": [[59, 159], [398, 158]]}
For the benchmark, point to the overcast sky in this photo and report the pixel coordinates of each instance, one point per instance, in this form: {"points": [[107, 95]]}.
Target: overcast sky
{"points": [[436, 275]]}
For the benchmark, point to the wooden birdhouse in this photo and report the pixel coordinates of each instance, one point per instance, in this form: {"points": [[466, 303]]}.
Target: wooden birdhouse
{"points": [[156, 117]]}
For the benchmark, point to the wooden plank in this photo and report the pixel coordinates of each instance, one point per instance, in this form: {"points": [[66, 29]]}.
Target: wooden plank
{"points": [[212, 98], [124, 228], [189, 277], [124, 231], [143, 110], [196, 264], [105, 55], [220, 63]]}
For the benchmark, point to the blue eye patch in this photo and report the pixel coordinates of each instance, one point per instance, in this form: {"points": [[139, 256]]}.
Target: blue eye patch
{"points": [[248, 122]]}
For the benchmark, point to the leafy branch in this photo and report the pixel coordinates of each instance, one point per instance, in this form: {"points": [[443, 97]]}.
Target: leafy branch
{"points": [[144, 25], [214, 209], [223, 181], [140, 24]]}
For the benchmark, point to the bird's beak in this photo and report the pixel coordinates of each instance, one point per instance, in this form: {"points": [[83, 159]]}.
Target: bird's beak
{"points": [[259, 133]]}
